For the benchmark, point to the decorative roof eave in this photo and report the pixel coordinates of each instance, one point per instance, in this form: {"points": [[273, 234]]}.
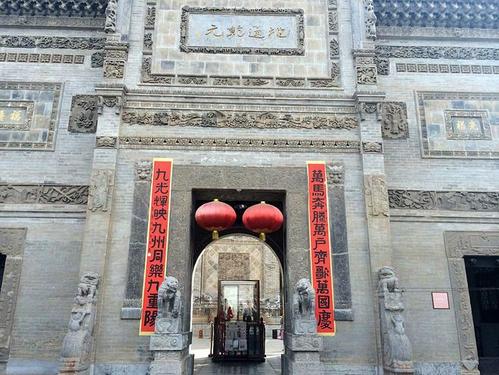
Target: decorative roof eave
{"points": [[468, 14]]}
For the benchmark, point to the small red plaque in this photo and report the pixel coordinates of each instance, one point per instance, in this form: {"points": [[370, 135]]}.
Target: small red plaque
{"points": [[440, 300]]}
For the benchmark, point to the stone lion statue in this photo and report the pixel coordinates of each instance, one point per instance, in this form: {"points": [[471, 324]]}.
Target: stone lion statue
{"points": [[304, 300], [169, 307], [388, 281]]}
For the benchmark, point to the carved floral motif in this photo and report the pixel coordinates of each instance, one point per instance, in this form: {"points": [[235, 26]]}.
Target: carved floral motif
{"points": [[83, 118], [394, 123], [51, 42]]}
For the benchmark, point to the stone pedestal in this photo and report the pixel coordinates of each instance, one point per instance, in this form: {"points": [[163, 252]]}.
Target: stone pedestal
{"points": [[302, 354], [171, 354]]}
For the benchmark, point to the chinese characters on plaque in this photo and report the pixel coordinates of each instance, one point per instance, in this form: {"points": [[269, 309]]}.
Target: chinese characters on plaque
{"points": [[238, 31], [320, 247], [157, 242], [226, 30]]}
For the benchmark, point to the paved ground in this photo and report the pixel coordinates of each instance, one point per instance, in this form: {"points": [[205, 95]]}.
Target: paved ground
{"points": [[204, 366]]}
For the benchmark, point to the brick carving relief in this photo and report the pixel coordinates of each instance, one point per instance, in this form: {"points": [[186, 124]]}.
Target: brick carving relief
{"points": [[458, 124], [446, 68], [370, 19], [53, 42], [115, 57], [385, 52], [11, 245], [254, 144], [376, 195], [105, 142], [457, 245], [111, 11], [444, 200], [100, 190], [29, 113], [372, 147], [394, 123], [250, 120], [233, 266], [43, 194], [83, 118], [43, 58]]}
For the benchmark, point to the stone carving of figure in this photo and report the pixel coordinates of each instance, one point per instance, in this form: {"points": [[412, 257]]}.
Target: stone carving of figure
{"points": [[169, 319], [397, 350], [76, 345], [304, 308], [110, 24], [370, 20], [99, 190]]}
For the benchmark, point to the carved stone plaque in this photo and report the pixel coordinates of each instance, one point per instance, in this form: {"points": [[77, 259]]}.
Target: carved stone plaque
{"points": [[242, 31], [15, 114]]}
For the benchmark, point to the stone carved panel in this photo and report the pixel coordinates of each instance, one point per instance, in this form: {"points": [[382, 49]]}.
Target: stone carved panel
{"points": [[394, 123], [366, 75], [250, 120], [105, 142], [466, 124], [233, 266], [100, 190], [457, 245], [446, 68], [83, 118], [11, 245], [43, 194], [16, 114], [459, 124], [52, 42], [372, 147], [242, 31], [25, 122], [444, 200], [376, 195], [437, 52]]}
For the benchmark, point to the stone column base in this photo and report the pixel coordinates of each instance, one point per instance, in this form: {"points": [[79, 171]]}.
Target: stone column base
{"points": [[171, 354], [302, 354]]}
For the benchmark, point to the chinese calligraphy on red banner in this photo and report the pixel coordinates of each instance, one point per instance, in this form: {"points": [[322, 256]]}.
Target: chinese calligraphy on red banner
{"points": [[157, 242], [320, 247]]}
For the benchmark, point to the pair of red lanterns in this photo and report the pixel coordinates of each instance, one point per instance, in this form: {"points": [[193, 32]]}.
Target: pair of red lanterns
{"points": [[260, 218]]}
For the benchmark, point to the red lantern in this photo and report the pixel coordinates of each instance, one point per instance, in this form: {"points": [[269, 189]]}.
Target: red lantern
{"points": [[215, 216], [263, 218]]}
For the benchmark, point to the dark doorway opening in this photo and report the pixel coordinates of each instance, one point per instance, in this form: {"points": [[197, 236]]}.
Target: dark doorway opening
{"points": [[3, 259], [483, 283]]}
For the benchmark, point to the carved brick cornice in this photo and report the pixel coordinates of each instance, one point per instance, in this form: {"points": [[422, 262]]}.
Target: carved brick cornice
{"points": [[249, 120], [43, 194], [437, 52], [250, 144], [55, 22], [480, 14], [444, 200]]}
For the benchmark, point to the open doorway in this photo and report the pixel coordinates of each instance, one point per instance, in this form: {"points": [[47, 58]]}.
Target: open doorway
{"points": [[483, 283], [237, 279]]}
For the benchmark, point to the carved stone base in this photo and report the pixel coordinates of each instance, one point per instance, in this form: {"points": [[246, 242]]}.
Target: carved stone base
{"points": [[73, 366], [171, 354], [302, 354]]}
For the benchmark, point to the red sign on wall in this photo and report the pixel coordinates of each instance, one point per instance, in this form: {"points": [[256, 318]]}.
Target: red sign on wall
{"points": [[157, 242], [320, 247]]}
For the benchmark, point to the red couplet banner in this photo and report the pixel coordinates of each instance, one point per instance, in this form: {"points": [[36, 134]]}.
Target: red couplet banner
{"points": [[157, 242], [320, 247]]}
